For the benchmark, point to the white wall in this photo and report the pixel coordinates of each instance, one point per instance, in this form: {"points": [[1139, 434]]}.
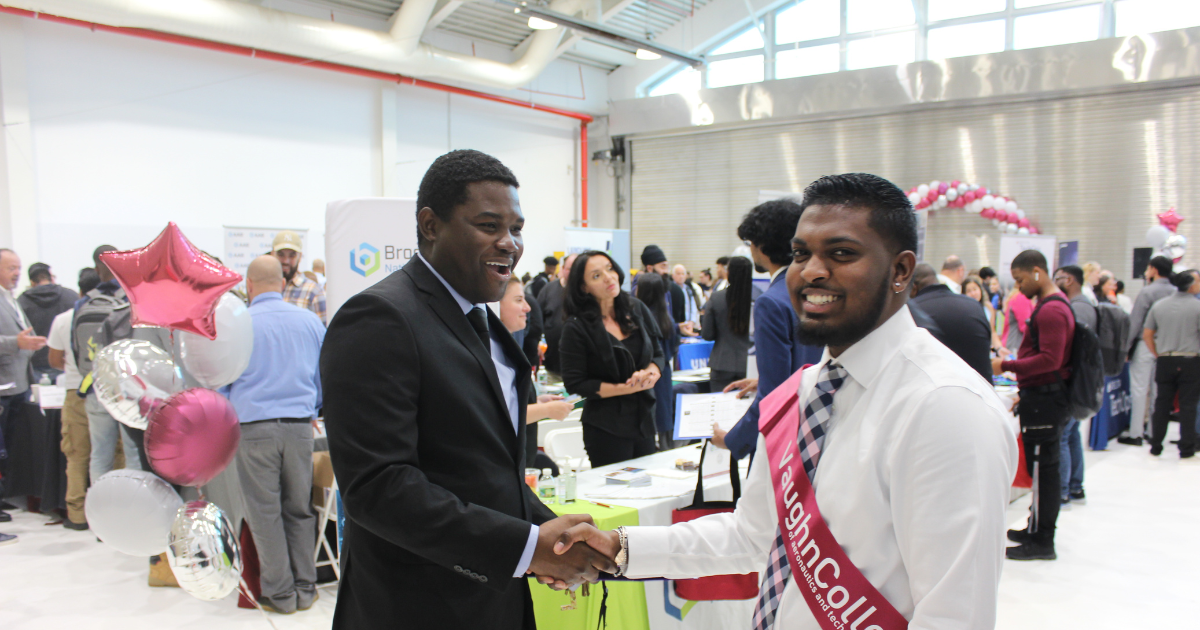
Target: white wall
{"points": [[129, 134]]}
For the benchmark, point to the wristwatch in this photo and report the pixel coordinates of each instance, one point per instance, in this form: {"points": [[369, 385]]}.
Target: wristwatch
{"points": [[622, 559]]}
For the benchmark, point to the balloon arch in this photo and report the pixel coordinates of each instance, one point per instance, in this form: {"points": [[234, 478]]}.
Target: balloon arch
{"points": [[1003, 212]]}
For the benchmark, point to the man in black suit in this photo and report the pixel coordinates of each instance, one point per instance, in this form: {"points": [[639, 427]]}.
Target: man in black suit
{"points": [[962, 324], [425, 392]]}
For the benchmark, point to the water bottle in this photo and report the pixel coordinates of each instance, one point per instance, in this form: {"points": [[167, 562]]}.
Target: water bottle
{"points": [[546, 486], [45, 381], [568, 492], [560, 486]]}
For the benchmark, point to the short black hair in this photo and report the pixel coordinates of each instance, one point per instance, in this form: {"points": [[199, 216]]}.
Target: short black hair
{"points": [[39, 272], [444, 186], [88, 280], [1075, 271], [100, 250], [892, 214], [771, 226], [550, 260], [1029, 259], [1162, 265], [986, 273], [724, 261]]}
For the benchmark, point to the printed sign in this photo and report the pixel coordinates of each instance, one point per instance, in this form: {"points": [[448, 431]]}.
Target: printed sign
{"points": [[244, 244], [365, 241]]}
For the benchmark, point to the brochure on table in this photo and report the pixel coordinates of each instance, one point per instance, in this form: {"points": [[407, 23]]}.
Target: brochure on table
{"points": [[696, 413]]}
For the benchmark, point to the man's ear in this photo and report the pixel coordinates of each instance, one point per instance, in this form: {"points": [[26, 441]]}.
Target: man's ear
{"points": [[903, 267], [428, 224]]}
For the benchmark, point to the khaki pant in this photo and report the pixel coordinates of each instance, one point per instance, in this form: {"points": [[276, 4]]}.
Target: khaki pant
{"points": [[77, 446]]}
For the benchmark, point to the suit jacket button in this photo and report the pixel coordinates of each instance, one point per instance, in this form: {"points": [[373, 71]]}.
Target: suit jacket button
{"points": [[483, 578], [458, 568]]}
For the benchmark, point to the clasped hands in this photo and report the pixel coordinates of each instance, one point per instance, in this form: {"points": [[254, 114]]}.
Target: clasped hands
{"points": [[561, 564]]}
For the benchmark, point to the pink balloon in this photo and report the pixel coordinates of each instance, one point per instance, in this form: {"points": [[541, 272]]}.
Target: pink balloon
{"points": [[171, 283], [1009, 217], [1022, 223], [192, 436], [955, 183], [988, 213], [932, 196], [943, 187]]}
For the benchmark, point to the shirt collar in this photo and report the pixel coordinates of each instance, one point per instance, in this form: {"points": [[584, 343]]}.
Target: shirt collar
{"points": [[864, 360], [266, 297], [778, 271], [462, 301]]}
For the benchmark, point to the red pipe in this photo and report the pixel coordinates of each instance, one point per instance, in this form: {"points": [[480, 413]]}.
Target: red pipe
{"points": [[205, 44], [583, 171]]}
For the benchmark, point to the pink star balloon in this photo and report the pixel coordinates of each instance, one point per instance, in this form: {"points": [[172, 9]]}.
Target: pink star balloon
{"points": [[171, 283], [1170, 219]]}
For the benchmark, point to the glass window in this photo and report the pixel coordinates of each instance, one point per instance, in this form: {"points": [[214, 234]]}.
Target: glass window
{"points": [[1057, 27], [948, 9], [1021, 4], [1152, 16], [968, 39], [803, 62], [886, 50], [686, 80], [735, 71], [749, 39], [810, 19], [873, 15]]}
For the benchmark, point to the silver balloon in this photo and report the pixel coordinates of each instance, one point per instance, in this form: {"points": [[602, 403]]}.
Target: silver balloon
{"points": [[203, 552], [130, 376], [1175, 247], [132, 510]]}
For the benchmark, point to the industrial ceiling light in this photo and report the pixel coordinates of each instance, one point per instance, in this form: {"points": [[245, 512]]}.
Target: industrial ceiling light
{"points": [[644, 47], [538, 24]]}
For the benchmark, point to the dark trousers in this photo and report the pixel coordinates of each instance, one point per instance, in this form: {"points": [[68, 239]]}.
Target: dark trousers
{"points": [[1176, 375], [604, 448], [9, 409], [1043, 415]]}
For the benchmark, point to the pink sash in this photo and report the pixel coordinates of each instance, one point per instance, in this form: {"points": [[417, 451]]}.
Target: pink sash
{"points": [[834, 589]]}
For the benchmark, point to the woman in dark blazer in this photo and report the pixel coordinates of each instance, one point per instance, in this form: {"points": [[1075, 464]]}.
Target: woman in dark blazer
{"points": [[652, 291], [612, 355], [726, 322]]}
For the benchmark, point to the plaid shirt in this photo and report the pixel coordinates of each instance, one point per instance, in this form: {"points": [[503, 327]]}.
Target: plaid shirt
{"points": [[306, 294]]}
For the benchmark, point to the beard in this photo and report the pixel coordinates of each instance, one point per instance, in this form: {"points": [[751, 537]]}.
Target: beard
{"points": [[817, 333], [289, 273], [760, 269]]}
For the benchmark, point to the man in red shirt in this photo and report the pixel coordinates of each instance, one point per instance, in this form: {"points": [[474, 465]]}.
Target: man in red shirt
{"points": [[1042, 367]]}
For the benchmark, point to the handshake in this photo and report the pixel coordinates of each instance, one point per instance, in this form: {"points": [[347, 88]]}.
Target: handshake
{"points": [[560, 563]]}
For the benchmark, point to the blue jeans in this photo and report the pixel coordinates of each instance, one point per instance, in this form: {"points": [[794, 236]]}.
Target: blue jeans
{"points": [[105, 433], [1072, 458]]}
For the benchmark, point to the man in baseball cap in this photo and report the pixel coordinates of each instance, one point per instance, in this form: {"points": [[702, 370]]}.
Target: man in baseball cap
{"points": [[298, 289]]}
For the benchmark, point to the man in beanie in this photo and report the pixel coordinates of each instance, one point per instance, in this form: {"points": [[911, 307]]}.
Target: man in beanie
{"points": [[655, 261]]}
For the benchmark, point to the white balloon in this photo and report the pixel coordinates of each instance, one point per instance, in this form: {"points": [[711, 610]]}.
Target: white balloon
{"points": [[1157, 236], [962, 188], [952, 194], [977, 206], [219, 362], [914, 198], [922, 191], [1012, 228], [974, 186], [933, 185], [1020, 213], [132, 510], [1011, 206], [1022, 231], [988, 201], [996, 222], [998, 202], [941, 200]]}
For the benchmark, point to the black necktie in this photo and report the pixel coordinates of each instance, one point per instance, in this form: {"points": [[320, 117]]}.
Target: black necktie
{"points": [[479, 322]]}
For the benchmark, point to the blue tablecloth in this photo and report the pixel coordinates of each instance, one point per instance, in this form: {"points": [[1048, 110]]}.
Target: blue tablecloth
{"points": [[1114, 416]]}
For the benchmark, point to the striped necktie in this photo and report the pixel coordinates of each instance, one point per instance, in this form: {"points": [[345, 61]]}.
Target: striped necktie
{"points": [[817, 413]]}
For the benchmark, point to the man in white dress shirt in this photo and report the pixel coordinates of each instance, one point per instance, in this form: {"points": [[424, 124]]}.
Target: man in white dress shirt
{"points": [[918, 454]]}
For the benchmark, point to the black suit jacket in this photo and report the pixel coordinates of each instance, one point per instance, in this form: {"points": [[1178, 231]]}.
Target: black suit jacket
{"points": [[430, 469], [962, 326]]}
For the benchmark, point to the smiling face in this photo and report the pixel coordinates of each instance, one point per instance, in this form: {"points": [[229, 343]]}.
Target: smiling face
{"points": [[289, 259], [479, 244], [600, 280], [973, 291], [513, 308], [843, 276]]}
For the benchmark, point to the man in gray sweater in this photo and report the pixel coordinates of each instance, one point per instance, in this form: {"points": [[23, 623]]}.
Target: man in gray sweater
{"points": [[1141, 361]]}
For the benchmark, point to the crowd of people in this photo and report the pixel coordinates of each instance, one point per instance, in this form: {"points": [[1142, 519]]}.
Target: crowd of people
{"points": [[423, 431]]}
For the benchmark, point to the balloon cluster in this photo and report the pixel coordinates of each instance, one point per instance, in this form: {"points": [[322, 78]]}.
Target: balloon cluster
{"points": [[191, 435], [1003, 212], [1164, 238]]}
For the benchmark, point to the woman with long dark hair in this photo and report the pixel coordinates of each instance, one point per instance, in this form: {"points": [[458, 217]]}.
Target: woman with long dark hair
{"points": [[652, 291], [726, 322], [612, 355]]}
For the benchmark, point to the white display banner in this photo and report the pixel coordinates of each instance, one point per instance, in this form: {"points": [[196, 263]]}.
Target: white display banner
{"points": [[365, 241], [614, 242], [244, 244], [1013, 244]]}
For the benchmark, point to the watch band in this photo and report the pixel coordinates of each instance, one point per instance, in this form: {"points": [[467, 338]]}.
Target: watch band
{"points": [[622, 559]]}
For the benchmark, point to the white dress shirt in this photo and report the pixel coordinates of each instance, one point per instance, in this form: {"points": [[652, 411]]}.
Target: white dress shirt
{"points": [[913, 481], [16, 307], [946, 280], [507, 374]]}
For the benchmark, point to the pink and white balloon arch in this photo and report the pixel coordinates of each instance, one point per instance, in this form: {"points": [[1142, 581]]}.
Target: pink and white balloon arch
{"points": [[1003, 212]]}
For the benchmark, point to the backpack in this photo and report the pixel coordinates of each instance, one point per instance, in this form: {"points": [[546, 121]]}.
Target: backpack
{"points": [[1112, 329], [87, 323], [1085, 386]]}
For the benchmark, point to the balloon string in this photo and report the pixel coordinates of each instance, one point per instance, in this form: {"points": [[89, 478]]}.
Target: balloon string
{"points": [[244, 589]]}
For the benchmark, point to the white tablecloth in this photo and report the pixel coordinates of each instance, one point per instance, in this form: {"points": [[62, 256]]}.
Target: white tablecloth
{"points": [[666, 610]]}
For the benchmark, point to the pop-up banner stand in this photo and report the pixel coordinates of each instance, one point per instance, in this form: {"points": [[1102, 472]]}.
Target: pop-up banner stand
{"points": [[365, 240]]}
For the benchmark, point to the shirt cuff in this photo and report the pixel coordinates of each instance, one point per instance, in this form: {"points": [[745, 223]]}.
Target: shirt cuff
{"points": [[527, 556], [648, 553]]}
